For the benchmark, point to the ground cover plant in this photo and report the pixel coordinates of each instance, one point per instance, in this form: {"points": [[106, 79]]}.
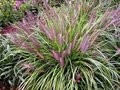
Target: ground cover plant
{"points": [[73, 47]]}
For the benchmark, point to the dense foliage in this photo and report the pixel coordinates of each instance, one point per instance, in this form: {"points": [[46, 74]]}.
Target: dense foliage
{"points": [[71, 46], [8, 12]]}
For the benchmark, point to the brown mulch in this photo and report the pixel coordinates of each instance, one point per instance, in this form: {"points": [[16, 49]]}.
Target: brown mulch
{"points": [[5, 86]]}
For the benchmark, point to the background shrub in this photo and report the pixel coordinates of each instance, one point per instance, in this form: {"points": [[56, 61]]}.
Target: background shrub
{"points": [[8, 14]]}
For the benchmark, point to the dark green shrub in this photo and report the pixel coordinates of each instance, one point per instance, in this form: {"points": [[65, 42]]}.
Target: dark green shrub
{"points": [[8, 14]]}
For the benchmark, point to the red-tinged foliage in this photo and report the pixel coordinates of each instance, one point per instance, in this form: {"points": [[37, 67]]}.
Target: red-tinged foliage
{"points": [[8, 29], [60, 32]]}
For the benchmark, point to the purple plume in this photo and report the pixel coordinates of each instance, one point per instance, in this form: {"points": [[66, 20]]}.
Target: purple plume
{"points": [[59, 57], [92, 18], [61, 60], [55, 55], [69, 50], [60, 39], [8, 29], [85, 43]]}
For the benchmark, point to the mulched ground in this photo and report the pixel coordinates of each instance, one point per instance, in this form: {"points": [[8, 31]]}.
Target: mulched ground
{"points": [[4, 85]]}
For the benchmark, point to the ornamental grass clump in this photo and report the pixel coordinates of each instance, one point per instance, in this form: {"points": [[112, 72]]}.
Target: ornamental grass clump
{"points": [[65, 42]]}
